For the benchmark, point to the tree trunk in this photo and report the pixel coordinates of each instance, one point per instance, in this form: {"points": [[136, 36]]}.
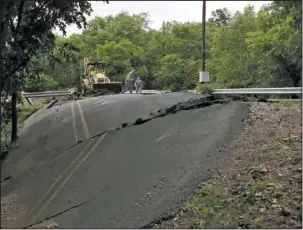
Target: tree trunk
{"points": [[14, 115], [4, 16], [296, 83]]}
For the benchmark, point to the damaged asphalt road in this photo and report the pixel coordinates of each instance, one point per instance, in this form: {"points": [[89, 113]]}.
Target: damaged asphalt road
{"points": [[78, 167]]}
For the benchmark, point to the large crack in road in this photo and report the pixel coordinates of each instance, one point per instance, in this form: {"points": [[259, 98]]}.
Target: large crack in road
{"points": [[41, 129], [60, 213], [192, 104], [156, 156]]}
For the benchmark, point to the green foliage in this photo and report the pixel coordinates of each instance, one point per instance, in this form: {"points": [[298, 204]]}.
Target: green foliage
{"points": [[24, 112], [207, 205], [280, 49], [204, 88], [245, 49], [258, 186], [41, 83], [221, 17]]}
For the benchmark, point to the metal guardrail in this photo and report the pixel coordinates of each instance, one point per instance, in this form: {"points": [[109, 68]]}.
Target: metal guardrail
{"points": [[73, 90], [286, 90], [289, 90], [50, 93]]}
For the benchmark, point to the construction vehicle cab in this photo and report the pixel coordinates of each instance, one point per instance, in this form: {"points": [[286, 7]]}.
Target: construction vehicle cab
{"points": [[95, 80]]}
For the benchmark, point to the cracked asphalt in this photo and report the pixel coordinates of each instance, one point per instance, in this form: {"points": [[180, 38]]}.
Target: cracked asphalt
{"points": [[74, 164]]}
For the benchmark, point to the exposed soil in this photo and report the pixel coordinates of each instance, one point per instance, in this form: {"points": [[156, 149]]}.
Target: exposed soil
{"points": [[261, 186]]}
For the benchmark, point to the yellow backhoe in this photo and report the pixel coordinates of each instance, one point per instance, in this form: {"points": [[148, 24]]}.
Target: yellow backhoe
{"points": [[95, 80]]}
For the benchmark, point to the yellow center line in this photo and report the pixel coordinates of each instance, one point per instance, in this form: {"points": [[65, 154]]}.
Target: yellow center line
{"points": [[58, 180], [74, 122], [46, 204], [86, 132]]}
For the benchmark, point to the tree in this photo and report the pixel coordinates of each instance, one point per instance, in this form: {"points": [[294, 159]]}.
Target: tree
{"points": [[231, 63], [277, 43], [174, 71], [25, 27], [245, 49], [40, 83], [60, 65], [221, 17]]}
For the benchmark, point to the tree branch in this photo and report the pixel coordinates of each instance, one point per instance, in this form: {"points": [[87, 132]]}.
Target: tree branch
{"points": [[20, 11], [12, 25]]}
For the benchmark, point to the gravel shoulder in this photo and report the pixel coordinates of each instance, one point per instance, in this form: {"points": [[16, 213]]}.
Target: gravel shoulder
{"points": [[261, 186]]}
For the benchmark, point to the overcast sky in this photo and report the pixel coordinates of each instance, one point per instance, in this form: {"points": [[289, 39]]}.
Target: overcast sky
{"points": [[160, 11]]}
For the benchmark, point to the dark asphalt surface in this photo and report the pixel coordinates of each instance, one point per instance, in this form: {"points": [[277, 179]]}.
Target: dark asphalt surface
{"points": [[132, 176], [52, 131]]}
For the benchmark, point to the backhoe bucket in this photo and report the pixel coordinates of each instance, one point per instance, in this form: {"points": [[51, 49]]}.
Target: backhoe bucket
{"points": [[107, 88]]}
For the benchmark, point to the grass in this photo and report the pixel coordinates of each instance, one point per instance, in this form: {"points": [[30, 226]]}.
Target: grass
{"points": [[267, 151], [24, 112], [27, 110], [212, 206], [286, 104], [272, 147], [206, 206], [243, 201], [258, 186], [204, 88]]}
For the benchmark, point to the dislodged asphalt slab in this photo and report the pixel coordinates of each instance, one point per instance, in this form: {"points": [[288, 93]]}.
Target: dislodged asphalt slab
{"points": [[128, 177], [145, 172], [63, 126]]}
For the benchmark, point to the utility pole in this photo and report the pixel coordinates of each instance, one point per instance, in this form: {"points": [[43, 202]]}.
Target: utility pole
{"points": [[204, 76], [203, 35]]}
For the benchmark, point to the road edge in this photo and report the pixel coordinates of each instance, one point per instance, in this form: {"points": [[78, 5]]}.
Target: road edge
{"points": [[171, 214], [32, 116]]}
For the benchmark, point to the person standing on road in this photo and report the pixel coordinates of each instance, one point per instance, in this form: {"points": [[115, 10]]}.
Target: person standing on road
{"points": [[138, 85], [129, 82]]}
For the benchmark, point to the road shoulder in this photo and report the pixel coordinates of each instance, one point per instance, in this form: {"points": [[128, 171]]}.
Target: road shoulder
{"points": [[261, 186]]}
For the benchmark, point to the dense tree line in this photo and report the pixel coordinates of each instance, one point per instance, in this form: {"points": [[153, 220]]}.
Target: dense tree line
{"points": [[245, 49]]}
